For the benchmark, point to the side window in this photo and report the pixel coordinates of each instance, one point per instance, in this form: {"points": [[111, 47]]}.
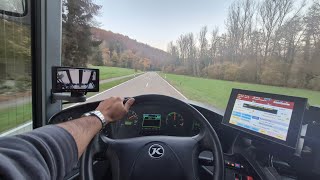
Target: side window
{"points": [[15, 67]]}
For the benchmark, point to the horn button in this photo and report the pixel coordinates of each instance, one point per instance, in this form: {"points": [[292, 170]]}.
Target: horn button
{"points": [[157, 161]]}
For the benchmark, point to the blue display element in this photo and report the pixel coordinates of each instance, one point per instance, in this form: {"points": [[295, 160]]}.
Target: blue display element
{"points": [[235, 113], [255, 117], [245, 118], [246, 115], [255, 129], [240, 124]]}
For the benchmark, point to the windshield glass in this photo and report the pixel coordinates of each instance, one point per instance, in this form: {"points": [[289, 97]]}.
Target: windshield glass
{"points": [[195, 50]]}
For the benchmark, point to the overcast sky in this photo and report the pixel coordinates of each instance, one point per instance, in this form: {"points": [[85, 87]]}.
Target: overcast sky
{"points": [[157, 22]]}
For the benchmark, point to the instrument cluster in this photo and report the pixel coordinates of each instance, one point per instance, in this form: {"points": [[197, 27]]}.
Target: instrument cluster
{"points": [[145, 120]]}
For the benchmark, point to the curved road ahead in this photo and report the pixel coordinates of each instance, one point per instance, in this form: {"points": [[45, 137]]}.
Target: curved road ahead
{"points": [[147, 83]]}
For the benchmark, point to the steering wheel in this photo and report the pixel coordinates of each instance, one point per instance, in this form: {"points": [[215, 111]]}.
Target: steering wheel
{"points": [[156, 157]]}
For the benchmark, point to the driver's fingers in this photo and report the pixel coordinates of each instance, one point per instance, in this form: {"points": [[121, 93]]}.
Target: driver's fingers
{"points": [[129, 104]]}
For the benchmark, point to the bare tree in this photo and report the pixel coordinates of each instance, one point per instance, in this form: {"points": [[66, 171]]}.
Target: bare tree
{"points": [[273, 13], [214, 44], [203, 48], [248, 9], [182, 46], [191, 54], [233, 27], [239, 25]]}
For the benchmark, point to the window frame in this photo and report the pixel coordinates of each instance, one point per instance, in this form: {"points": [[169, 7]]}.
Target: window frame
{"points": [[46, 28]]}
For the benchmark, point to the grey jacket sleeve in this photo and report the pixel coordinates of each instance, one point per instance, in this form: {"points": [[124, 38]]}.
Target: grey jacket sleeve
{"points": [[45, 153]]}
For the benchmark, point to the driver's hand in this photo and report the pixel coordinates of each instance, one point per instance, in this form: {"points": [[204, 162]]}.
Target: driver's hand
{"points": [[113, 108]]}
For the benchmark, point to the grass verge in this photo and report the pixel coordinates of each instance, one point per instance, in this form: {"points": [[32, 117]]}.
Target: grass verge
{"points": [[14, 116], [112, 72], [217, 92]]}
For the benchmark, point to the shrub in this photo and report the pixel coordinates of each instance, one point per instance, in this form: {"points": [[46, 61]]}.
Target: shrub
{"points": [[273, 73], [247, 72], [215, 71], [182, 70], [314, 84], [230, 71], [23, 83]]}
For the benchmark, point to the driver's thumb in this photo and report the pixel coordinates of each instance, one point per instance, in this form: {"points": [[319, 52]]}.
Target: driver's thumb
{"points": [[129, 104]]}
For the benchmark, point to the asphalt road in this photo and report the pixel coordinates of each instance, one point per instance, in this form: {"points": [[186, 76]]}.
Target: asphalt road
{"points": [[147, 83]]}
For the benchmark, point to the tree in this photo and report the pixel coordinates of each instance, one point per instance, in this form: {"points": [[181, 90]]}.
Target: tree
{"points": [[77, 20], [97, 58], [204, 59], [115, 58], [214, 45], [239, 25], [273, 13], [173, 50], [274, 42]]}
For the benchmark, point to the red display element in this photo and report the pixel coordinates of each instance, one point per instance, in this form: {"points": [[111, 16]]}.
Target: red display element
{"points": [[267, 101], [249, 178]]}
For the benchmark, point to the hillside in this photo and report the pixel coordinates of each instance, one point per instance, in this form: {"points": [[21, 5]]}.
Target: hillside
{"points": [[120, 43]]}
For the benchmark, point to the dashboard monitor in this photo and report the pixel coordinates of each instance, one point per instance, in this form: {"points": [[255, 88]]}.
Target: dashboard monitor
{"points": [[271, 117], [151, 121], [66, 79]]}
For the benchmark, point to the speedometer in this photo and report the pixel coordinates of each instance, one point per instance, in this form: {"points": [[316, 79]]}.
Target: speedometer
{"points": [[131, 119], [175, 119]]}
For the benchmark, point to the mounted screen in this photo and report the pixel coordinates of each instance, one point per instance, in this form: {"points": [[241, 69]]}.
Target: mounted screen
{"points": [[269, 116], [67, 79], [151, 121]]}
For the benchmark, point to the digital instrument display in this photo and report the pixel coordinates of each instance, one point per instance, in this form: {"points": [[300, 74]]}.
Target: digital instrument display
{"points": [[273, 117], [151, 121], [263, 115], [65, 79]]}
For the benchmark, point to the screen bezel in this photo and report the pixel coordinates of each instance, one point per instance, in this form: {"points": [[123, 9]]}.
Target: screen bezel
{"points": [[295, 125], [54, 80]]}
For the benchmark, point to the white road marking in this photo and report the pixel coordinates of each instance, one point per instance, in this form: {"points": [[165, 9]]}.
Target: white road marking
{"points": [[6, 133], [173, 88], [147, 84]]}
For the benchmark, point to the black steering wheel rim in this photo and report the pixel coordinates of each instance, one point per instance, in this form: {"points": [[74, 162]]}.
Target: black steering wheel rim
{"points": [[207, 138]]}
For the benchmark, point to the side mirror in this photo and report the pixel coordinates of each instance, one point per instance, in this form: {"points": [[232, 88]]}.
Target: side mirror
{"points": [[17, 8]]}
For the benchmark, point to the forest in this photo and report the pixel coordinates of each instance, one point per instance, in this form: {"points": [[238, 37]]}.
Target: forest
{"points": [[274, 42]]}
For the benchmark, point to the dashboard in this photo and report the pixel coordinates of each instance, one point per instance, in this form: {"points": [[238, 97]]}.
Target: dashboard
{"points": [[234, 130], [143, 119]]}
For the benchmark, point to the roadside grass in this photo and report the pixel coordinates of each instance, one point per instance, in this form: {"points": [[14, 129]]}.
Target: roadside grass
{"points": [[14, 116], [112, 72], [217, 92]]}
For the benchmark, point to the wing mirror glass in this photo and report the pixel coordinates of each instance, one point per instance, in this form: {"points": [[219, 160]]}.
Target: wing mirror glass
{"points": [[13, 7]]}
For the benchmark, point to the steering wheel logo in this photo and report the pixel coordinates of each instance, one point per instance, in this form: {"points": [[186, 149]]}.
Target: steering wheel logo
{"points": [[156, 151]]}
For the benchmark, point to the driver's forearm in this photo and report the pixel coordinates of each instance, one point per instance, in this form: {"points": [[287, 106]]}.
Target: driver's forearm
{"points": [[82, 130]]}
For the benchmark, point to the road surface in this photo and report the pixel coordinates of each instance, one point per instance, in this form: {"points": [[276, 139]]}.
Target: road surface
{"points": [[148, 83]]}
